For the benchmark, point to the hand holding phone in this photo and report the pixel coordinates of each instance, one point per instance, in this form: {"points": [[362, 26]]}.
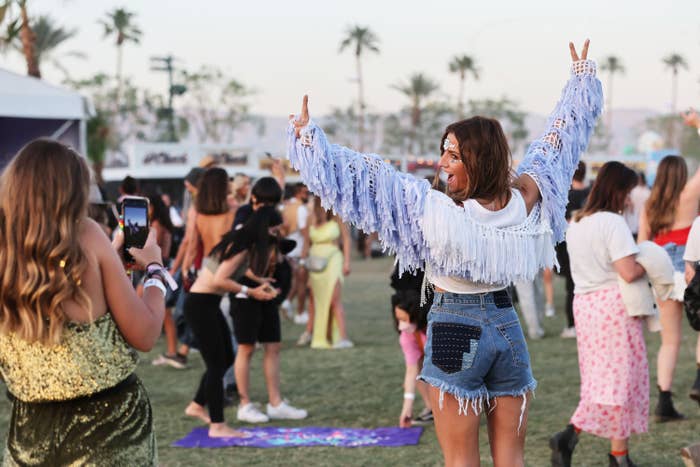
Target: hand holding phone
{"points": [[150, 253], [135, 224]]}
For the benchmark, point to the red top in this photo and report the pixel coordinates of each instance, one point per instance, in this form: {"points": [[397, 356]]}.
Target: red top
{"points": [[678, 236]]}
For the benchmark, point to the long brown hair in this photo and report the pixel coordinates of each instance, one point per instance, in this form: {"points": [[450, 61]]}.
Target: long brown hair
{"points": [[486, 156], [43, 201], [671, 177], [610, 189], [212, 192]]}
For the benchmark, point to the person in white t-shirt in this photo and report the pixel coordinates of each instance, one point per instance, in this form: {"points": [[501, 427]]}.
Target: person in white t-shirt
{"points": [[295, 227], [614, 397]]}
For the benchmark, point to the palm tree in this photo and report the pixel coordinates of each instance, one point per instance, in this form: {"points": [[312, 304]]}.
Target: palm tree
{"points": [[48, 37], [419, 88], [361, 38], [120, 23], [464, 65], [612, 65], [675, 62], [18, 26]]}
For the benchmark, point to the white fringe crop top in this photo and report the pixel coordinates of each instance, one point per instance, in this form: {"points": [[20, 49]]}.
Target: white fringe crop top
{"points": [[425, 228]]}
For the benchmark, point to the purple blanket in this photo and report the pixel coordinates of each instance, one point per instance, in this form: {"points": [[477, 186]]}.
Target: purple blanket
{"points": [[273, 437]]}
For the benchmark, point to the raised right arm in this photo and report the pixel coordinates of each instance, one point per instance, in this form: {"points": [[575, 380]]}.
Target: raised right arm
{"points": [[363, 189]]}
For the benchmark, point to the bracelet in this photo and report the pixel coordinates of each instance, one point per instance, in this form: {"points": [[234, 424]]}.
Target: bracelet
{"points": [[155, 283], [157, 270], [409, 395]]}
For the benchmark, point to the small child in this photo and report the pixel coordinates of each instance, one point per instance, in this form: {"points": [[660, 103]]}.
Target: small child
{"points": [[411, 322]]}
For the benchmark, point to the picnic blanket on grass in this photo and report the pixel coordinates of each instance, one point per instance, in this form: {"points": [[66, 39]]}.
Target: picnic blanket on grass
{"points": [[278, 437]]}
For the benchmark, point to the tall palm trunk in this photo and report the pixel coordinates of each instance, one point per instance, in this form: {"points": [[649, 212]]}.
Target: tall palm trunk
{"points": [[28, 38], [361, 104], [117, 99], [415, 121], [460, 104], [672, 120]]}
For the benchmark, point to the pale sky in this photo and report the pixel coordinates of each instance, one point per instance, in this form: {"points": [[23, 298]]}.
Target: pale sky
{"points": [[284, 49]]}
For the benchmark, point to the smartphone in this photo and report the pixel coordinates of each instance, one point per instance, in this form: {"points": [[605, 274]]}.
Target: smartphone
{"points": [[136, 222]]}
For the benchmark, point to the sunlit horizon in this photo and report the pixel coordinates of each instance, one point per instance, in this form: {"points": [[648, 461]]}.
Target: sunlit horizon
{"points": [[285, 49]]}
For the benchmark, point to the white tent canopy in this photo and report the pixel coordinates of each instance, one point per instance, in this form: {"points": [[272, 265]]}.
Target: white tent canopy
{"points": [[31, 108], [29, 97]]}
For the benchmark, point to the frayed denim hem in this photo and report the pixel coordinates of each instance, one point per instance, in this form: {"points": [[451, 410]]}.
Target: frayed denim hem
{"points": [[477, 399]]}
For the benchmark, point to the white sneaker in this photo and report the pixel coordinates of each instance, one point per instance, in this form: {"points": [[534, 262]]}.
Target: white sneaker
{"points": [[249, 413], [549, 310], [568, 333], [286, 411], [286, 308], [304, 339], [343, 344], [302, 318]]}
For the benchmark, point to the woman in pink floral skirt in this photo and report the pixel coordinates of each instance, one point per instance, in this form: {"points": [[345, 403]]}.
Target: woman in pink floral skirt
{"points": [[614, 399]]}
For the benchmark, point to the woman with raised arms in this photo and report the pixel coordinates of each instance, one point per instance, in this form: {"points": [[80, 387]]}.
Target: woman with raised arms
{"points": [[490, 228]]}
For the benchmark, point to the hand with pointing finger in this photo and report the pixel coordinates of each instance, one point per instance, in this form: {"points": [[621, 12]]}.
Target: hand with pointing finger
{"points": [[303, 118]]}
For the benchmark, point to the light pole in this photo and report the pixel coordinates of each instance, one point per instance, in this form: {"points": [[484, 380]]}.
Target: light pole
{"points": [[165, 63]]}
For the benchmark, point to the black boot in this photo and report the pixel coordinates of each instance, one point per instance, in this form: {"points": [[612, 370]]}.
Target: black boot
{"points": [[621, 462], [695, 390], [562, 445], [664, 411]]}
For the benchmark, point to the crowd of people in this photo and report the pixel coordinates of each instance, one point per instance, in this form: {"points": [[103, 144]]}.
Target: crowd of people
{"points": [[220, 274]]}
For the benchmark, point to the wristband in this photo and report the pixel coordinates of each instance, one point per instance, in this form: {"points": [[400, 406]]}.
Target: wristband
{"points": [[409, 395], [155, 283], [243, 293], [302, 262], [156, 269]]}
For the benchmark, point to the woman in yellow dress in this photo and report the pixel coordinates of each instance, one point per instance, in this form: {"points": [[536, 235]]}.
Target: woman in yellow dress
{"points": [[326, 327], [70, 320]]}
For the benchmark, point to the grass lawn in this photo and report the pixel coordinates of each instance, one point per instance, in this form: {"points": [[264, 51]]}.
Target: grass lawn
{"points": [[361, 387]]}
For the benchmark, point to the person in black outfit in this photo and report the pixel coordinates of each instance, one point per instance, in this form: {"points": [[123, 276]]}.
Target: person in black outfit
{"points": [[577, 198], [265, 192], [255, 320], [223, 271]]}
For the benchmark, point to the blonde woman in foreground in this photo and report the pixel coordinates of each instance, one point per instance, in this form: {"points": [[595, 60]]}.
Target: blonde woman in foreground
{"points": [[70, 320]]}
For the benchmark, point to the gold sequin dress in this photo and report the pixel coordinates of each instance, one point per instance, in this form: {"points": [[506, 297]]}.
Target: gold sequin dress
{"points": [[77, 403]]}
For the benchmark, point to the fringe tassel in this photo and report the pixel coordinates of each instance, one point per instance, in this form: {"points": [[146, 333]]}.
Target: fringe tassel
{"points": [[461, 246]]}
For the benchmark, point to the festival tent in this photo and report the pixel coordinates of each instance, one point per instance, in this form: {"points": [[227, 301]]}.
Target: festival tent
{"points": [[31, 108]]}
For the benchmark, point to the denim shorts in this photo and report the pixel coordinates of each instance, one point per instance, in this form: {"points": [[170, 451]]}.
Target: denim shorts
{"points": [[476, 349], [676, 253]]}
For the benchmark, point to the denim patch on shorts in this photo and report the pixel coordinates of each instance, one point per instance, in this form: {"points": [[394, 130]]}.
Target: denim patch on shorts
{"points": [[454, 346], [476, 349]]}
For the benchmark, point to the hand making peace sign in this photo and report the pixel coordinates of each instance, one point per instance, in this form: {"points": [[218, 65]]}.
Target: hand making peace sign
{"points": [[584, 51], [303, 119]]}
